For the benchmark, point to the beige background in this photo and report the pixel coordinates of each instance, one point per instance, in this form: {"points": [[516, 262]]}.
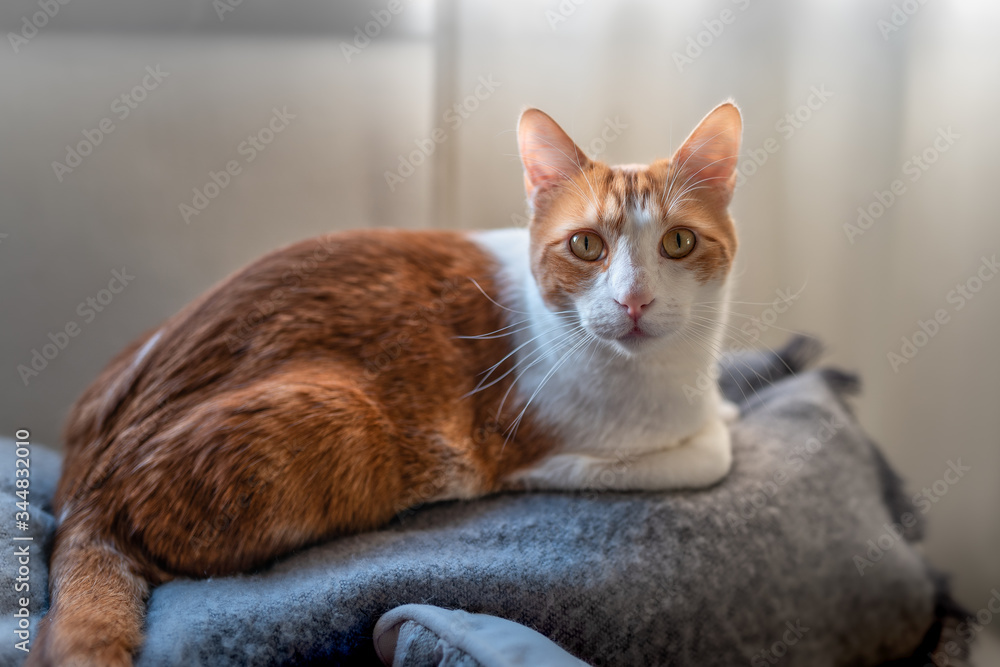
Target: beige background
{"points": [[607, 61]]}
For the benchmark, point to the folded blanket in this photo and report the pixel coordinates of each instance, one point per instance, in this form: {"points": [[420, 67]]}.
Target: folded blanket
{"points": [[804, 555], [417, 635]]}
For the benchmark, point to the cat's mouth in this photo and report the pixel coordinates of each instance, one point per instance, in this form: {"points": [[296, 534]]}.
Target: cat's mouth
{"points": [[630, 335], [640, 335], [635, 335]]}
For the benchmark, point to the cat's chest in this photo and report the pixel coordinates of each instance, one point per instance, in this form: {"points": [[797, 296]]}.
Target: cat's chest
{"points": [[613, 411]]}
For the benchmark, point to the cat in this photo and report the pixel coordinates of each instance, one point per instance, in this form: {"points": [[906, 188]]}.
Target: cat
{"points": [[336, 382]]}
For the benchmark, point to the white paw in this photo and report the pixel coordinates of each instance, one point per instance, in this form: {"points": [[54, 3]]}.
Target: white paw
{"points": [[712, 455]]}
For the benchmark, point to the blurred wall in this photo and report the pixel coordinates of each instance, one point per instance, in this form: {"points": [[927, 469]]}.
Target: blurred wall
{"points": [[847, 106]]}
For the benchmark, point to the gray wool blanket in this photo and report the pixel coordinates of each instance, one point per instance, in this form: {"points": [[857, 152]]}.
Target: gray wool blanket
{"points": [[804, 555]]}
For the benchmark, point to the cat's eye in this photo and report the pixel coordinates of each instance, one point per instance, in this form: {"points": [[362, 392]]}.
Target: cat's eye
{"points": [[587, 246], [678, 243]]}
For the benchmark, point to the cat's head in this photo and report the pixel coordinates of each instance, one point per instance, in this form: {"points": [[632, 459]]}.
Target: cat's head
{"points": [[638, 252]]}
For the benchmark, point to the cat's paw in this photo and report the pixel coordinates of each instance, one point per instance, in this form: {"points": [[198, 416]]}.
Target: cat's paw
{"points": [[711, 455], [728, 411]]}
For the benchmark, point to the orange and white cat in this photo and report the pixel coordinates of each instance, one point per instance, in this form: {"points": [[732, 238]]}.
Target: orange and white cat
{"points": [[334, 383]]}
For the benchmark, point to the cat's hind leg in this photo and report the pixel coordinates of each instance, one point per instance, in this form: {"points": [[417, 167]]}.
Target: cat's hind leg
{"points": [[270, 466]]}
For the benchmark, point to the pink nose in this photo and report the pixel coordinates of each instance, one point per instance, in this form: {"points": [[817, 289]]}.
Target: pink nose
{"points": [[634, 303]]}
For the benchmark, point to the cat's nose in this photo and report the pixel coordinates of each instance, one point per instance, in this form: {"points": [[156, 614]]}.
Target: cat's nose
{"points": [[635, 303]]}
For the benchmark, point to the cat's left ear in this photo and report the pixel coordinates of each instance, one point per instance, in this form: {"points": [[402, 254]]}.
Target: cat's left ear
{"points": [[709, 156], [548, 154]]}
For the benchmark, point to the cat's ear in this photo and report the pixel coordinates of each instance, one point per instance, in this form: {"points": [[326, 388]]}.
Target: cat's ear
{"points": [[547, 153], [709, 156]]}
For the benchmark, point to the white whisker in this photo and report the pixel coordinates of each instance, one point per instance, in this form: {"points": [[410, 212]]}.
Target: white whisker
{"points": [[517, 421], [497, 334], [492, 368], [752, 342], [716, 354], [564, 340], [494, 302]]}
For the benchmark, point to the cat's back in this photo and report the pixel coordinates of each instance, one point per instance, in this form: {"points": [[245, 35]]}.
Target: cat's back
{"points": [[389, 306], [344, 291]]}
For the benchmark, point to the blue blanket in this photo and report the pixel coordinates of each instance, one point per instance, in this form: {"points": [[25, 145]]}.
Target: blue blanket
{"points": [[804, 555]]}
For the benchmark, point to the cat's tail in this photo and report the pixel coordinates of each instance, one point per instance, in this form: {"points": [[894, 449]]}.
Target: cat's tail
{"points": [[98, 603]]}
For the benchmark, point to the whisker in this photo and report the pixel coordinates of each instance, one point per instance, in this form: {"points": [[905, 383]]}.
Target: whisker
{"points": [[752, 303], [576, 160], [560, 343], [494, 302], [490, 370], [680, 168], [697, 185], [691, 338], [566, 177], [716, 355], [518, 312], [496, 334], [748, 318], [753, 343], [517, 421]]}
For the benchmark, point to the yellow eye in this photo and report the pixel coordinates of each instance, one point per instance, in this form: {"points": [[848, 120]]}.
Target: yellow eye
{"points": [[678, 243], [587, 246]]}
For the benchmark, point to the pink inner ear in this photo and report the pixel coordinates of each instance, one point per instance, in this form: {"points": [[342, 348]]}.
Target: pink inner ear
{"points": [[709, 156], [547, 153]]}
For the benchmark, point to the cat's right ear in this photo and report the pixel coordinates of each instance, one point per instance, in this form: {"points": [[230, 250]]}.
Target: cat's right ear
{"points": [[548, 154]]}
